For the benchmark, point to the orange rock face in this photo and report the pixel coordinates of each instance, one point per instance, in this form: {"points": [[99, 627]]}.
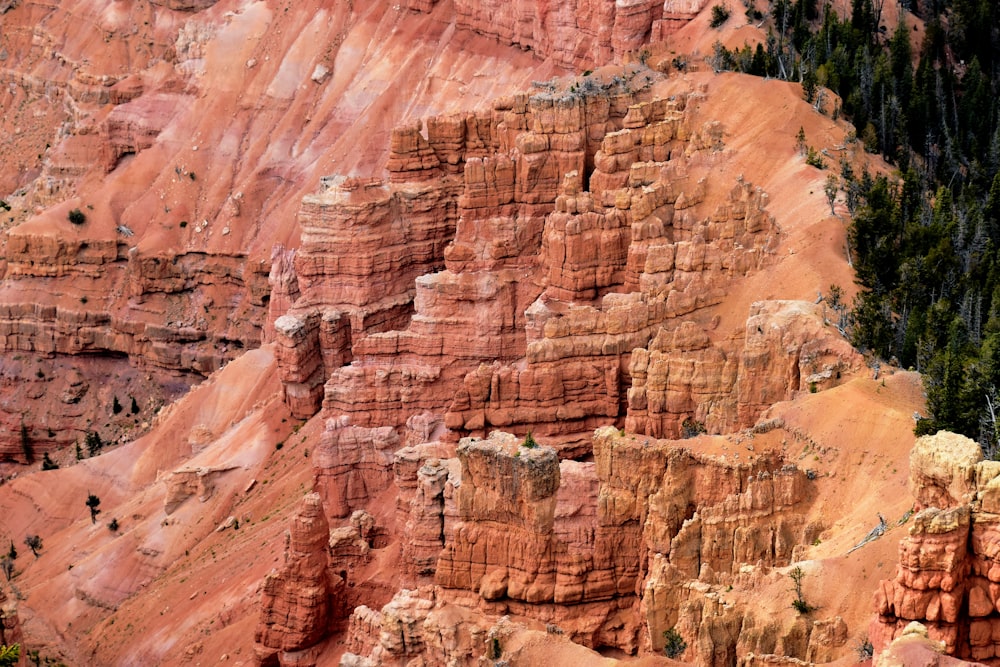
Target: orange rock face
{"points": [[556, 258], [296, 604], [948, 572], [684, 382], [189, 160]]}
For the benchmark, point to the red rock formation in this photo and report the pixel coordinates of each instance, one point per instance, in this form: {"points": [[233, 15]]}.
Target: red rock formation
{"points": [[296, 606], [684, 381], [416, 625], [676, 14], [948, 567], [10, 624], [352, 464], [574, 33], [132, 127], [421, 478], [211, 150]]}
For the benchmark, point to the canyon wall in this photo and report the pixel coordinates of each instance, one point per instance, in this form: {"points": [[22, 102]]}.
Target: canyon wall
{"points": [[552, 260], [185, 161], [578, 33], [648, 537]]}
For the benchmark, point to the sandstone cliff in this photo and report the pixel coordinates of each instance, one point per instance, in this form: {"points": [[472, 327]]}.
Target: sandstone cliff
{"points": [[188, 159], [945, 578], [430, 260]]}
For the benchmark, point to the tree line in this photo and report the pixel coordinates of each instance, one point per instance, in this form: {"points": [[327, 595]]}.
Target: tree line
{"points": [[924, 241]]}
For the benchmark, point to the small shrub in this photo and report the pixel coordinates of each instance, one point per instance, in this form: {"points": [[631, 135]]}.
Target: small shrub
{"points": [[33, 542], [77, 217], [279, 445], [673, 644], [800, 141], [800, 604], [184, 223], [94, 443], [529, 441], [720, 14], [864, 650], [48, 463], [26, 447], [925, 426], [113, 525], [116, 407], [135, 406], [813, 388], [814, 158], [93, 502], [691, 428], [9, 655], [495, 650]]}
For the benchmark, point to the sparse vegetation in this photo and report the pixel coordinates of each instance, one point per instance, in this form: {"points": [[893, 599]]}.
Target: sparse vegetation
{"points": [[94, 443], [830, 189], [720, 14], [77, 217], [9, 655], [116, 407], [26, 448], [33, 542], [864, 650], [494, 650], [113, 525], [691, 428], [673, 644], [529, 441], [93, 502], [814, 158], [48, 463], [800, 604]]}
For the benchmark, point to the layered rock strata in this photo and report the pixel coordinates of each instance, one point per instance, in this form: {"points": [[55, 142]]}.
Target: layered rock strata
{"points": [[512, 161], [166, 318], [683, 382], [575, 33], [534, 328], [614, 552], [948, 578], [296, 600]]}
